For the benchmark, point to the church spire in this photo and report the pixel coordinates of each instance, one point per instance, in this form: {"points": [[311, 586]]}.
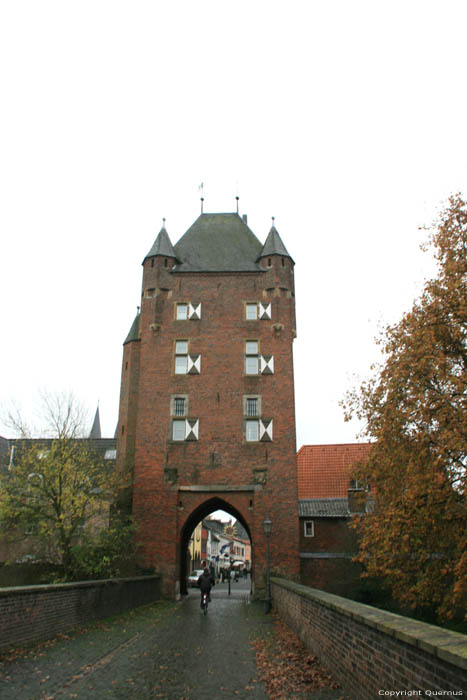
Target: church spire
{"points": [[95, 433]]}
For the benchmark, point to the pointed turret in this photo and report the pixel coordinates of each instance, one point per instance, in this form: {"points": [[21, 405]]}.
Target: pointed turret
{"points": [[95, 433], [274, 245], [162, 246], [134, 330]]}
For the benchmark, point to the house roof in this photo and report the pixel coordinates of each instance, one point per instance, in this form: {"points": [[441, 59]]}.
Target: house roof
{"points": [[218, 243], [274, 245], [214, 525], [324, 508], [240, 531], [324, 470], [105, 447]]}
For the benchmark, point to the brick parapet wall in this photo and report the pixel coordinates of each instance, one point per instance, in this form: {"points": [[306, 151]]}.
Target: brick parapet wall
{"points": [[33, 613], [369, 651]]}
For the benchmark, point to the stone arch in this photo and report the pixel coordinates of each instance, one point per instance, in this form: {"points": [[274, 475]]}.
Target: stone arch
{"points": [[199, 512]]}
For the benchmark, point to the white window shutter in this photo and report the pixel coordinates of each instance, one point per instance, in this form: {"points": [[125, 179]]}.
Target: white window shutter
{"points": [[264, 311], [194, 312], [191, 429], [194, 364], [266, 364], [265, 430]]}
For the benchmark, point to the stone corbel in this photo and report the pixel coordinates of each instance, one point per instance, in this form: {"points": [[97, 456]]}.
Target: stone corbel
{"points": [[277, 328]]}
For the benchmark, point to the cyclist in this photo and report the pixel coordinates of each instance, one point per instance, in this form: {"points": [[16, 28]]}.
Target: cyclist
{"points": [[205, 584]]}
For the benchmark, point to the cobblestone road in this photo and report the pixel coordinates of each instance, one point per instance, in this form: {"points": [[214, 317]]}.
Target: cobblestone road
{"points": [[167, 650]]}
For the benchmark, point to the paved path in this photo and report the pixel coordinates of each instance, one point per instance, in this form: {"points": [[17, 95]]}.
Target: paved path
{"points": [[166, 650]]}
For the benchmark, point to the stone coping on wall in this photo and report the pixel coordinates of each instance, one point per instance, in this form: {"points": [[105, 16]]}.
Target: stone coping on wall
{"points": [[47, 587], [445, 644]]}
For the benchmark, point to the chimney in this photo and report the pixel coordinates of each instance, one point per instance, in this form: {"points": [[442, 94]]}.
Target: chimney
{"points": [[357, 498], [245, 218]]}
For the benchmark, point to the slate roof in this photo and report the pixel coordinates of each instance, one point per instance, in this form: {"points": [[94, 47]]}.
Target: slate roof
{"points": [[104, 446], [162, 246], [324, 508], [240, 531], [274, 245], [218, 243], [214, 525], [324, 470], [98, 444], [134, 331]]}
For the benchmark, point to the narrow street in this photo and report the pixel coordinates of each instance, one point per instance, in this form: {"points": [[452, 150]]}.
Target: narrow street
{"points": [[166, 650]]}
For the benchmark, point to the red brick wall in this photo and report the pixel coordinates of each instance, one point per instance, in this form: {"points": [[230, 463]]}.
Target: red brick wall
{"points": [[330, 535], [326, 558], [370, 651], [126, 429], [33, 613], [221, 457]]}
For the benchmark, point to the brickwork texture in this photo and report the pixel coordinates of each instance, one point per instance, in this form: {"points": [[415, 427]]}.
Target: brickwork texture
{"points": [[31, 614], [370, 651]]}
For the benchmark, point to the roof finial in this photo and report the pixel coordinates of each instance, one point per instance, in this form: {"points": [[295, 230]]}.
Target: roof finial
{"points": [[273, 220], [237, 198], [163, 222], [138, 309], [201, 188]]}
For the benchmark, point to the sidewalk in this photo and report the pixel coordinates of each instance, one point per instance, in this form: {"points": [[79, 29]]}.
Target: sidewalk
{"points": [[166, 650]]}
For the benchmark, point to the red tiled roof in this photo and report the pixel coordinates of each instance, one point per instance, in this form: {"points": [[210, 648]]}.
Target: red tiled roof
{"points": [[323, 470]]}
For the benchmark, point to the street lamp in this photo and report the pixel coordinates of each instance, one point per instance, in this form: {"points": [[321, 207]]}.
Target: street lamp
{"points": [[267, 525]]}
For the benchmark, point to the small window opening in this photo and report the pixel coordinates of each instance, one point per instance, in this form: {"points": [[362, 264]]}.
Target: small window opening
{"points": [[152, 262], [178, 430], [252, 407], [166, 262], [269, 262], [252, 430], [251, 312], [283, 262], [181, 356], [179, 406], [182, 312], [123, 429], [251, 357]]}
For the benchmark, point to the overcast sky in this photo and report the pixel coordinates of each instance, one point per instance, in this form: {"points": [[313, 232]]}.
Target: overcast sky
{"points": [[344, 120]]}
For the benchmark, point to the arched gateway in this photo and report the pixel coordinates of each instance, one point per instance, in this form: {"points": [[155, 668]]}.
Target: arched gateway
{"points": [[207, 417], [197, 514]]}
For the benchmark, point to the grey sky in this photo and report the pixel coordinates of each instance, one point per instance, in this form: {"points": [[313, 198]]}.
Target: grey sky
{"points": [[345, 121]]}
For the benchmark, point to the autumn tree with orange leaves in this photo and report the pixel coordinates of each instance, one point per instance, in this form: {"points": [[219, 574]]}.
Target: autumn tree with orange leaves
{"points": [[415, 410]]}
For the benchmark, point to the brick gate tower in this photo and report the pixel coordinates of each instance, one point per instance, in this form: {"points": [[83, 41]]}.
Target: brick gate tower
{"points": [[207, 418]]}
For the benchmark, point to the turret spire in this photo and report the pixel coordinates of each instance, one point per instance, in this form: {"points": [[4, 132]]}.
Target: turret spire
{"points": [[274, 244], [162, 245]]}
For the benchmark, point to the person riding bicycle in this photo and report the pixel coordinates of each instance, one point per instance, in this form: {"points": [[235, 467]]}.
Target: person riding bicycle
{"points": [[205, 584]]}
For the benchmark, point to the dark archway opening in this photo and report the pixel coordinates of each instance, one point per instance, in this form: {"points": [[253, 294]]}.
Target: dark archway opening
{"points": [[202, 511]]}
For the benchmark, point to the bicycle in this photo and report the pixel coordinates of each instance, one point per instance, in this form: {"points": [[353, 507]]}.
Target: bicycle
{"points": [[204, 603]]}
